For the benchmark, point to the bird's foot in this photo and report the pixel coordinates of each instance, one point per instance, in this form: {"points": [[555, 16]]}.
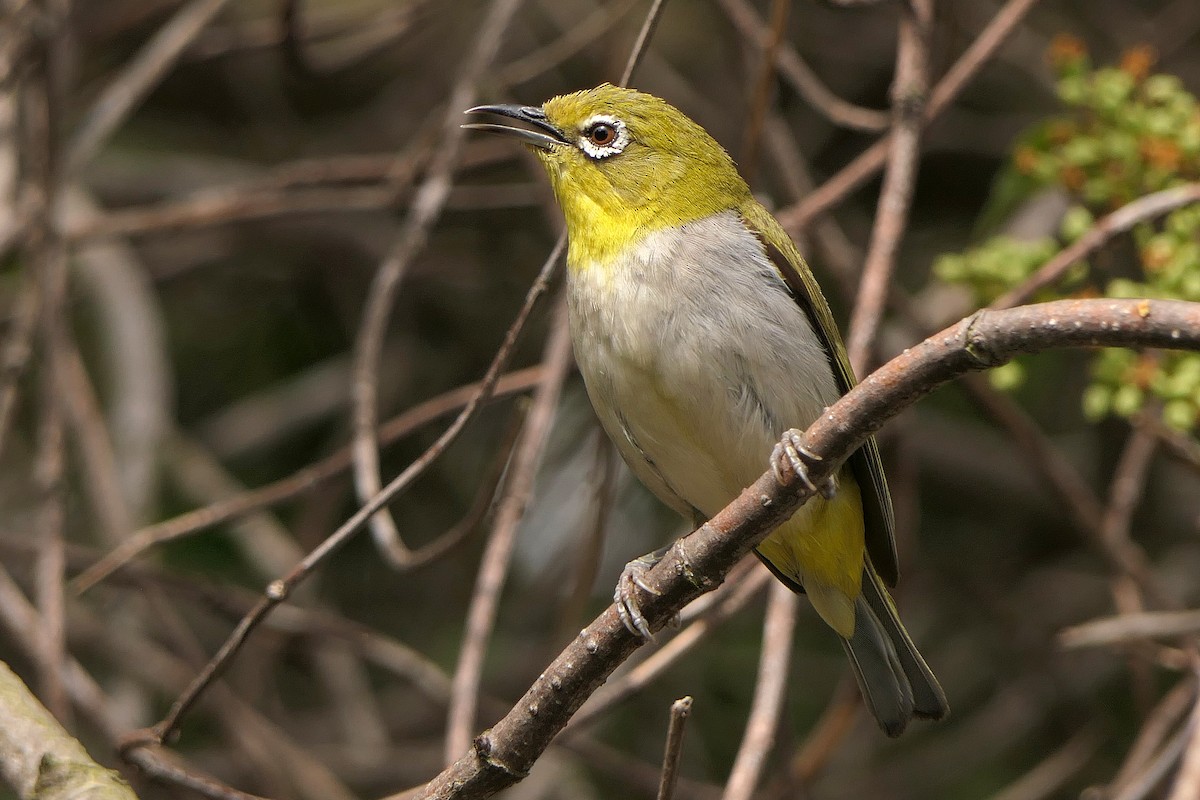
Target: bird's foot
{"points": [[625, 597], [790, 455]]}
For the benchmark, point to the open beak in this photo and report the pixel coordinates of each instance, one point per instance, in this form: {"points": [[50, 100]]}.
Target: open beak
{"points": [[546, 137]]}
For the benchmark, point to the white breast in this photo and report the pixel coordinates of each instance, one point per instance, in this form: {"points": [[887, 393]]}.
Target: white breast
{"points": [[696, 359]]}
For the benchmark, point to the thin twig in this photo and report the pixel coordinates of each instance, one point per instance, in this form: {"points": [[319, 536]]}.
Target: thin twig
{"points": [[1123, 219], [899, 179], [761, 92], [1187, 780], [680, 710], [821, 744], [160, 765], [1154, 731], [1128, 485], [649, 24], [769, 693], [800, 76], [1047, 778], [279, 590], [799, 216], [91, 436], [427, 206], [284, 489], [16, 351], [497, 556], [577, 36], [1126, 628], [143, 72]]}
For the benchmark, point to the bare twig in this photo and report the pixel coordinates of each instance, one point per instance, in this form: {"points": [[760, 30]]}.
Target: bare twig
{"points": [[899, 180], [800, 76], [144, 71], [1080, 501], [769, 693], [822, 742], [1187, 780], [699, 561], [158, 764], [1047, 778], [680, 710], [427, 206], [761, 93], [201, 519], [1128, 484], [279, 590], [493, 570], [573, 39], [1154, 731], [798, 216], [95, 447], [1123, 219], [15, 353], [1126, 628], [649, 24]]}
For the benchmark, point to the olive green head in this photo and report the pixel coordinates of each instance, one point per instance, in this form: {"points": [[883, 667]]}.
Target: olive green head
{"points": [[623, 163]]}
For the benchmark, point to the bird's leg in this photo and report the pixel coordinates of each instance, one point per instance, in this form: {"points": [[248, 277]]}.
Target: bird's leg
{"points": [[625, 597], [790, 455]]}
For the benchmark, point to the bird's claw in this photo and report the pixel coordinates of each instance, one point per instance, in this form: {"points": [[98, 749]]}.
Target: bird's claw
{"points": [[625, 597], [790, 455]]}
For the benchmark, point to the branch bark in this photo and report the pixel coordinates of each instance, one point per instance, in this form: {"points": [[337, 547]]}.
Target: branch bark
{"points": [[40, 760]]}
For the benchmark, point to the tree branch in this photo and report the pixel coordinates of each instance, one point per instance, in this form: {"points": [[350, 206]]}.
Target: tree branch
{"points": [[699, 562]]}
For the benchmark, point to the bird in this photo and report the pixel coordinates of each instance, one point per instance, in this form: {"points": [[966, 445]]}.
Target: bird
{"points": [[704, 343]]}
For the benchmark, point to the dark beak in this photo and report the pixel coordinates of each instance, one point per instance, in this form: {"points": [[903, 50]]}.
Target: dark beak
{"points": [[546, 137]]}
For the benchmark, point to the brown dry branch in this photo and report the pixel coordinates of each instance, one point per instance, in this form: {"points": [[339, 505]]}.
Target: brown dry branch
{"points": [[1157, 726], [497, 556], [1123, 219], [799, 75], [231, 508], [428, 202], [762, 90], [279, 590], [1046, 779], [680, 710], [698, 563], [821, 744], [799, 216], [770, 690], [576, 37], [1127, 628], [139, 77], [899, 179], [16, 352]]}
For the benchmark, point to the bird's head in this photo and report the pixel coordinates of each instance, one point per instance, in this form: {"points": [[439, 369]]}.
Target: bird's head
{"points": [[623, 163]]}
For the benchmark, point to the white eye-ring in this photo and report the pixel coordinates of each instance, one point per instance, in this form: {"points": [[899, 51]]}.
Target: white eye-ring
{"points": [[603, 136]]}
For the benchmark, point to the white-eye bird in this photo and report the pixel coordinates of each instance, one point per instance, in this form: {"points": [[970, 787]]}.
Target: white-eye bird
{"points": [[702, 337]]}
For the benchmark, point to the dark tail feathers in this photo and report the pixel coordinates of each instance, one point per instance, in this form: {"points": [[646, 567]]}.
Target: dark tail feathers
{"points": [[895, 681]]}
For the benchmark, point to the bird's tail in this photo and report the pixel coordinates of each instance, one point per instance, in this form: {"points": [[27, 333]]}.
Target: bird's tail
{"points": [[895, 681]]}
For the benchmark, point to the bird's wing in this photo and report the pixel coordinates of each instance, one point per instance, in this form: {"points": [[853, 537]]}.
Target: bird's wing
{"points": [[865, 462]]}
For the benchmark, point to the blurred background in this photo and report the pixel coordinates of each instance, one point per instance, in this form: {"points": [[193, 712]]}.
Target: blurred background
{"points": [[181, 327]]}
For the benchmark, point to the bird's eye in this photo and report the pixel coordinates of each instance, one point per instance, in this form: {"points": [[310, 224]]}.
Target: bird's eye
{"points": [[602, 134]]}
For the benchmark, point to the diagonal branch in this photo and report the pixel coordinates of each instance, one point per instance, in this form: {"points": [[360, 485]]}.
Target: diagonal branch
{"points": [[699, 562]]}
